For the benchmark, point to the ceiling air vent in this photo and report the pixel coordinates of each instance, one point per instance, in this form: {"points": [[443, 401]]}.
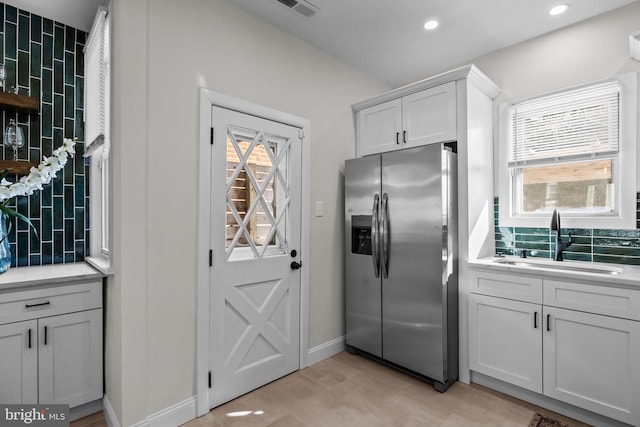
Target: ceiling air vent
{"points": [[303, 7]]}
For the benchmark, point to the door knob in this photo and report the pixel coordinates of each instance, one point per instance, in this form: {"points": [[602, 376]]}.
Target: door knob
{"points": [[295, 265]]}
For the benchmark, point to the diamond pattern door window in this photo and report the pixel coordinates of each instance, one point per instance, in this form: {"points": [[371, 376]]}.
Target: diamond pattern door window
{"points": [[257, 194]]}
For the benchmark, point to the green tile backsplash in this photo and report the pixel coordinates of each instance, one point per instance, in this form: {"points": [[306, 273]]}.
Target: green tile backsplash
{"points": [[45, 59], [593, 245]]}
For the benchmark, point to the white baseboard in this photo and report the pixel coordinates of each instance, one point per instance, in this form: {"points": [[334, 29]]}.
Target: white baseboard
{"points": [[172, 416], [109, 414], [185, 411], [326, 350]]}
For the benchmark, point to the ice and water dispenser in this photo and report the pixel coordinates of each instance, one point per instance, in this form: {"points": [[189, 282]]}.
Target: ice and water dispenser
{"points": [[361, 234]]}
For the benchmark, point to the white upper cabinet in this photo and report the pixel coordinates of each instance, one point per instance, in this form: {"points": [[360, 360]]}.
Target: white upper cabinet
{"points": [[429, 116], [379, 128], [424, 117]]}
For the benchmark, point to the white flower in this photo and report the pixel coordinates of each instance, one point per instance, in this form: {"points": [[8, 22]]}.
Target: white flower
{"points": [[18, 189], [39, 176], [5, 193], [68, 145]]}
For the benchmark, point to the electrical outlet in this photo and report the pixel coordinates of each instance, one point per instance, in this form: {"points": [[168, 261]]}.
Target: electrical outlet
{"points": [[319, 208]]}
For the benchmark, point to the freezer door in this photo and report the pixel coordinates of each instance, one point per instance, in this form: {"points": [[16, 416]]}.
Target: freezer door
{"points": [[363, 293], [414, 244]]}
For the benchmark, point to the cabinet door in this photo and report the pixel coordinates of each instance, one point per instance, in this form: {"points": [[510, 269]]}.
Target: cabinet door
{"points": [[591, 361], [429, 116], [70, 358], [379, 128], [19, 363], [505, 340]]}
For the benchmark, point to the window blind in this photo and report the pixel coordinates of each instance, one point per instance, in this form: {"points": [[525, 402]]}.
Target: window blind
{"points": [[95, 83], [569, 126]]}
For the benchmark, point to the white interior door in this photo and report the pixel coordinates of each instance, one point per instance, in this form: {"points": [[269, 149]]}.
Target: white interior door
{"points": [[255, 238]]}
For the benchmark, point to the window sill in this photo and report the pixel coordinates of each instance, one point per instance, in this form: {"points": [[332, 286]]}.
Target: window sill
{"points": [[626, 221], [100, 263]]}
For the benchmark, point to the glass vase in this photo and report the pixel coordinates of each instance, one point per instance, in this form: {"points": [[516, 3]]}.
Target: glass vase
{"points": [[5, 249]]}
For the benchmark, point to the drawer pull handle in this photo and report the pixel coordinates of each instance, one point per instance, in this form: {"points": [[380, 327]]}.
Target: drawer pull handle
{"points": [[45, 335], [37, 305], [548, 322], [29, 337], [535, 320]]}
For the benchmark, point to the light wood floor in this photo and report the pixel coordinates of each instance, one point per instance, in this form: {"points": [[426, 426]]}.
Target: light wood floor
{"points": [[352, 391]]}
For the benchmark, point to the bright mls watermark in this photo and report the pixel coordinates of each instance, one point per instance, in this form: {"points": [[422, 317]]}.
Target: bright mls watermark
{"points": [[34, 415]]}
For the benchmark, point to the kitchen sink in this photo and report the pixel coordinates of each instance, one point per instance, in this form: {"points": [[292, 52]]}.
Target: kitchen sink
{"points": [[559, 266]]}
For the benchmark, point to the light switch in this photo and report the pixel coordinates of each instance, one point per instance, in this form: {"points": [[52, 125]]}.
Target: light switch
{"points": [[319, 208]]}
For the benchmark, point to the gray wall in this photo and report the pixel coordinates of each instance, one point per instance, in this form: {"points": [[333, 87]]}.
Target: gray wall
{"points": [[164, 51], [591, 50]]}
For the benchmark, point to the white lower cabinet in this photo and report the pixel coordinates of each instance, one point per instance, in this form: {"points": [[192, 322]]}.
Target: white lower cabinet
{"points": [[505, 340], [70, 358], [19, 363], [584, 359], [52, 358], [592, 361]]}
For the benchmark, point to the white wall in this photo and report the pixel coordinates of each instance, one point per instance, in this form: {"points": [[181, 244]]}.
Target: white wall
{"points": [[591, 50], [164, 51]]}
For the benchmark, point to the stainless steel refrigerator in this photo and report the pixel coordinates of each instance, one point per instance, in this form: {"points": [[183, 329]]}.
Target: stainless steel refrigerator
{"points": [[401, 260]]}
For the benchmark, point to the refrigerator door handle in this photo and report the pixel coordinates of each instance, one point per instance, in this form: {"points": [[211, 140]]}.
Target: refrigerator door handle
{"points": [[385, 235], [375, 237]]}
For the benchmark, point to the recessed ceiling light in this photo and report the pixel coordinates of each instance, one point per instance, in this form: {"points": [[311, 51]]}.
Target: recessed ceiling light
{"points": [[559, 9], [431, 24]]}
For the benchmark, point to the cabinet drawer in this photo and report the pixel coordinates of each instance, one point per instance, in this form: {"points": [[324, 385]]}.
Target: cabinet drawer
{"points": [[618, 302], [527, 289], [36, 303]]}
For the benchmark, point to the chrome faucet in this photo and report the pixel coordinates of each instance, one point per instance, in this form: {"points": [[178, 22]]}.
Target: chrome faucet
{"points": [[560, 244]]}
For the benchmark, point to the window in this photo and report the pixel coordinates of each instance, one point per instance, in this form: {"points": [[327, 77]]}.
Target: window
{"points": [[97, 141], [258, 193], [574, 151]]}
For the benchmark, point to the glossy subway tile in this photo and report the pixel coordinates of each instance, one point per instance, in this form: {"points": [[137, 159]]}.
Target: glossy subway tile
{"points": [[591, 245], [44, 59]]}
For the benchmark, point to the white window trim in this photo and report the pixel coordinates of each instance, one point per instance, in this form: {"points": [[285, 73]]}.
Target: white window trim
{"points": [[625, 218], [100, 169]]}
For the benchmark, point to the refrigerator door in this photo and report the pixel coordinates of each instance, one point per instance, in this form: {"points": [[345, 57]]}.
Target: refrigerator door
{"points": [[414, 283], [363, 293]]}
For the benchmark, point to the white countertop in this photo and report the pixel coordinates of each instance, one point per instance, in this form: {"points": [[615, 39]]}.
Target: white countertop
{"points": [[628, 275], [20, 277]]}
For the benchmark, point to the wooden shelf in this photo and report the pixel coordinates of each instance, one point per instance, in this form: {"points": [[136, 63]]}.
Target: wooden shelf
{"points": [[19, 103], [18, 167]]}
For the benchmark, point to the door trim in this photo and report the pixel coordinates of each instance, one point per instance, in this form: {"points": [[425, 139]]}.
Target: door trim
{"points": [[208, 99]]}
